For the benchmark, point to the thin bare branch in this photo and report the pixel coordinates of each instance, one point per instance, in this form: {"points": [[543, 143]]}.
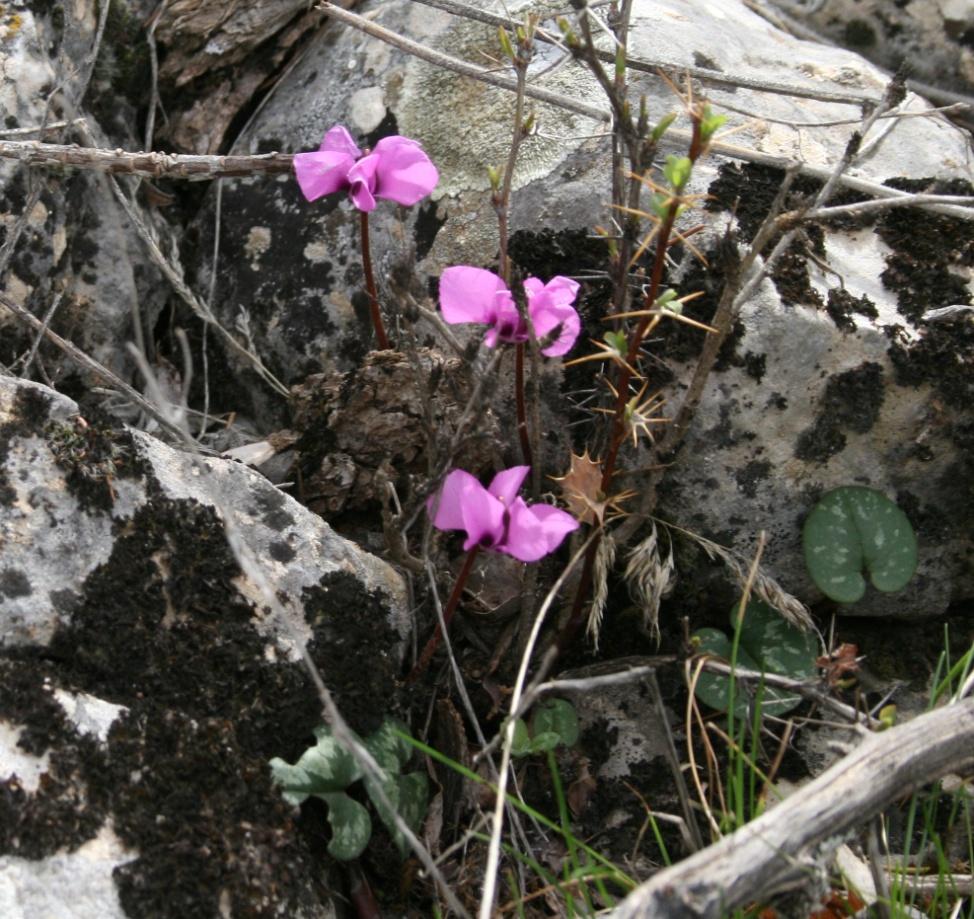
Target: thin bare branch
{"points": [[149, 165], [90, 364], [643, 65]]}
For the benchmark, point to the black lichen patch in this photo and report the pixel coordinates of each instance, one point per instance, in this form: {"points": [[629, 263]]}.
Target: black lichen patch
{"points": [[93, 454], [748, 191], [355, 648], [851, 402], [428, 224], [755, 365], [751, 475], [292, 296], [29, 411], [209, 824], [681, 342], [14, 583], [943, 357], [925, 247], [162, 630], [842, 305], [67, 808], [858, 34]]}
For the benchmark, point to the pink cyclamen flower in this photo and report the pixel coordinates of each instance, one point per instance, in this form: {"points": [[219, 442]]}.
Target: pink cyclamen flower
{"points": [[495, 518], [396, 169], [469, 294]]}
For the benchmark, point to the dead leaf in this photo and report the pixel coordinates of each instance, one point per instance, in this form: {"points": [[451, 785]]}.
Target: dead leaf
{"points": [[581, 488], [581, 790], [840, 663]]}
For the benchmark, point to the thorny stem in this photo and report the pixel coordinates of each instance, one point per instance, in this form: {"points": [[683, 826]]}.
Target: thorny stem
{"points": [[448, 611], [624, 378], [380, 332]]}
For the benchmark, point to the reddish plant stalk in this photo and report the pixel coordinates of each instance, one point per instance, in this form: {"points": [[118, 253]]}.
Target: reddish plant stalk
{"points": [[623, 379], [451, 606], [380, 331], [522, 413]]}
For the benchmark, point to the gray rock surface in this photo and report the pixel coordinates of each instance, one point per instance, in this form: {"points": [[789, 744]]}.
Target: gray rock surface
{"points": [[77, 253], [933, 38], [835, 376], [145, 684]]}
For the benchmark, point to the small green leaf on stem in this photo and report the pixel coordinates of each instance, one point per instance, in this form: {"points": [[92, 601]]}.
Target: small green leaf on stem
{"points": [[662, 127], [709, 123], [618, 342], [505, 41], [620, 62], [558, 717], [677, 170]]}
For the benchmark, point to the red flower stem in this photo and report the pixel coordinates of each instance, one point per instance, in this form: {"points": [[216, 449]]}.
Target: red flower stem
{"points": [[522, 414], [618, 432], [380, 332], [448, 611]]}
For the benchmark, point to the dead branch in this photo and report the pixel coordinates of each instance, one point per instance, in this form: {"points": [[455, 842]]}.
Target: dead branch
{"points": [[777, 849], [90, 364], [150, 165]]}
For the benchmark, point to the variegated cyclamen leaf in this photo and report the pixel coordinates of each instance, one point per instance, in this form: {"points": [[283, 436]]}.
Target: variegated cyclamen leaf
{"points": [[351, 826], [853, 529], [296, 783], [388, 748], [333, 767], [406, 794], [768, 644]]}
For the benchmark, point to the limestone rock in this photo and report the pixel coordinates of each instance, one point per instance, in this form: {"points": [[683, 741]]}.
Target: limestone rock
{"points": [[77, 255], [932, 38], [836, 373], [145, 685]]}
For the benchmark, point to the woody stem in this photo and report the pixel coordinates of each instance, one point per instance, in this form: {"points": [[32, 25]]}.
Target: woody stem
{"points": [[380, 332], [448, 611]]}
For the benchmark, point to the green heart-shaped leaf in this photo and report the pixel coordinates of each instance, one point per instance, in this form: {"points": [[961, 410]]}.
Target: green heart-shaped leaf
{"points": [[332, 766], [854, 529], [768, 644], [556, 716], [521, 745]]}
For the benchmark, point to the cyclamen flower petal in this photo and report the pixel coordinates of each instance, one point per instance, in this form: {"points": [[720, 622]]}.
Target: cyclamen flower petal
{"points": [[397, 169], [405, 173], [445, 507], [483, 519], [326, 170], [534, 531], [495, 518], [361, 180], [550, 307], [339, 140], [507, 483], [470, 294]]}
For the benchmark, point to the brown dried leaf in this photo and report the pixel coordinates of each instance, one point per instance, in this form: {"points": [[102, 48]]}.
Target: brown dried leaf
{"points": [[581, 790], [839, 663], [581, 488]]}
